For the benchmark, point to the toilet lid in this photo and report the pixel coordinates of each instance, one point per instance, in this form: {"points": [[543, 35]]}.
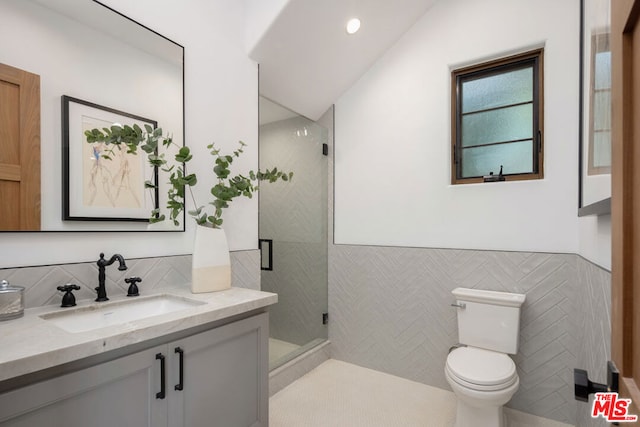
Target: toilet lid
{"points": [[481, 367]]}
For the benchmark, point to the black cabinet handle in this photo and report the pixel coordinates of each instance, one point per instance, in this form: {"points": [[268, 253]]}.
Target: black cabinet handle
{"points": [[180, 384], [161, 393]]}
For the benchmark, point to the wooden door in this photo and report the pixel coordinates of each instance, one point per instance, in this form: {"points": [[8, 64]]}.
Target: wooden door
{"points": [[625, 201], [19, 149]]}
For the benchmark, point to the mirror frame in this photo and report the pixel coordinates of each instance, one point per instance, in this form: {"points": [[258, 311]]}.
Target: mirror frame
{"points": [[90, 225], [600, 207]]}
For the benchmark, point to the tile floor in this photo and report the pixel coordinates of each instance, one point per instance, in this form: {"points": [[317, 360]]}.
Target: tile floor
{"points": [[340, 394]]}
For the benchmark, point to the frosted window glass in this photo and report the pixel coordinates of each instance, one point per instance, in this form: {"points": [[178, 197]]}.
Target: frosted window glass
{"points": [[505, 124], [603, 70], [515, 157], [601, 150], [602, 110], [503, 89]]}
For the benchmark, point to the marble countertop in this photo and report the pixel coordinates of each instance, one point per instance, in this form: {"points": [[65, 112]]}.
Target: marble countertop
{"points": [[30, 343]]}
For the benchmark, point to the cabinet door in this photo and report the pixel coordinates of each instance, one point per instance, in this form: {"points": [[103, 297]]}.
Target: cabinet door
{"points": [[118, 393], [225, 377]]}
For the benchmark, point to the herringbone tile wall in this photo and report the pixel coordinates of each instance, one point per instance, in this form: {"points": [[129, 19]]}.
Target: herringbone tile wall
{"points": [[294, 215], [594, 334], [161, 272], [299, 277], [390, 311]]}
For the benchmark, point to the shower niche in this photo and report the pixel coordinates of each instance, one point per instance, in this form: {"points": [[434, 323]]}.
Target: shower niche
{"points": [[293, 230]]}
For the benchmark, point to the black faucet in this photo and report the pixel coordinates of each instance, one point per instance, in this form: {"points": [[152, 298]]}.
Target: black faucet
{"points": [[102, 263]]}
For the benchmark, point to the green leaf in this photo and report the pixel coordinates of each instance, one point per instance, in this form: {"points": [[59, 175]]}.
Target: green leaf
{"points": [[196, 212], [219, 204], [221, 171], [157, 219], [156, 161], [184, 155], [173, 204], [191, 180]]}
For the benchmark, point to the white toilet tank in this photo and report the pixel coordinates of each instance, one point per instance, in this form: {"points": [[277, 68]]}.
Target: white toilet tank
{"points": [[489, 319]]}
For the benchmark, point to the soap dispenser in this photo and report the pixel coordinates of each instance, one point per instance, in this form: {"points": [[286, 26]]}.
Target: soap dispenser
{"points": [[11, 301]]}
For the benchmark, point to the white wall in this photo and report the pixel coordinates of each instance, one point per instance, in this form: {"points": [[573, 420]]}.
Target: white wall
{"points": [[393, 134], [261, 14], [595, 240], [221, 105]]}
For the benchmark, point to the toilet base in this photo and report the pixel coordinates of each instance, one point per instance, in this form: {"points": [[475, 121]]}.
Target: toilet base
{"points": [[473, 416]]}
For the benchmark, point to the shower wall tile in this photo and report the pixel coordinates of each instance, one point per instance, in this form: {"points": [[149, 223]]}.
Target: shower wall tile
{"points": [[298, 270], [390, 311], [293, 214], [162, 272]]}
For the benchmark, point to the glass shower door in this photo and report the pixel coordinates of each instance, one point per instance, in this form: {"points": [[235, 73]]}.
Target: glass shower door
{"points": [[293, 231]]}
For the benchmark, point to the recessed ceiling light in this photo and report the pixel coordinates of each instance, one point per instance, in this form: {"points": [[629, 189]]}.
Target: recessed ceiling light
{"points": [[353, 25]]}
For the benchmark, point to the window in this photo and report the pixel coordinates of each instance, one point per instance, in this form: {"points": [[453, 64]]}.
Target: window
{"points": [[600, 108], [497, 119]]}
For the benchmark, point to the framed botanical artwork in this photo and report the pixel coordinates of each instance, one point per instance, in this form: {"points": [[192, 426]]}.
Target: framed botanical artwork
{"points": [[103, 182], [595, 107]]}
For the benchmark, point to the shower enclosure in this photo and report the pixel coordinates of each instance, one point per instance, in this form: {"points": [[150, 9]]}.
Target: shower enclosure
{"points": [[293, 231]]}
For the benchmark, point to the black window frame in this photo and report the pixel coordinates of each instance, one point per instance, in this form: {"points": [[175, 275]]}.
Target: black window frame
{"points": [[534, 59]]}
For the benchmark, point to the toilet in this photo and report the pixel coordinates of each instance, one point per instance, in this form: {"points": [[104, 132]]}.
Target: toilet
{"points": [[479, 370]]}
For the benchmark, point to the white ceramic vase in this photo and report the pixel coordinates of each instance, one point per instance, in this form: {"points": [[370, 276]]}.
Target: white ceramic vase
{"points": [[211, 265]]}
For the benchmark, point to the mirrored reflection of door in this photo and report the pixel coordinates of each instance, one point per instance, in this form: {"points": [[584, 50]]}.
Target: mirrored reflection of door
{"points": [[293, 230]]}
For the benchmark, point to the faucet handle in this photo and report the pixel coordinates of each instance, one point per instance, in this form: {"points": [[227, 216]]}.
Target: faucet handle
{"points": [[68, 287], [133, 287], [68, 299]]}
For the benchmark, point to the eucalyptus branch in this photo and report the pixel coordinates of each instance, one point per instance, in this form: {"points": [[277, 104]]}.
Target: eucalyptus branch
{"points": [[224, 191]]}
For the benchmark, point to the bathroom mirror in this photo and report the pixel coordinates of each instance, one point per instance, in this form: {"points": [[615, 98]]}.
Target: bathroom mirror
{"points": [[84, 50], [595, 108]]}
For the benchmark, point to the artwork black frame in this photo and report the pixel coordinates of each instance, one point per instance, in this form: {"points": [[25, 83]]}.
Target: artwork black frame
{"points": [[72, 138]]}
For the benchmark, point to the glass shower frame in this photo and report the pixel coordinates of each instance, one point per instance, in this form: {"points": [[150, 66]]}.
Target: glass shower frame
{"points": [[293, 223]]}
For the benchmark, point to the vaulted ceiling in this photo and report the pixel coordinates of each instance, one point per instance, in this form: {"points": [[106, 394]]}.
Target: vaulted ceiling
{"points": [[307, 59]]}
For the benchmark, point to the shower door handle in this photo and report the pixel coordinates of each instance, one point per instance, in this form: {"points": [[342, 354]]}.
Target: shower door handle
{"points": [[266, 254]]}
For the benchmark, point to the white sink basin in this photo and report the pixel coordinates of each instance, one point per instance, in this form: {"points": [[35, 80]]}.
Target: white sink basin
{"points": [[104, 314]]}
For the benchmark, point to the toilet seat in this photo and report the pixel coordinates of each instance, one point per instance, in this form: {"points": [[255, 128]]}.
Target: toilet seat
{"points": [[480, 369]]}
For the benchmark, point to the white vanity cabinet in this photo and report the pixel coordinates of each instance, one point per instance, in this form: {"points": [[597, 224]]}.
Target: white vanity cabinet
{"points": [[115, 393], [218, 377], [224, 377]]}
